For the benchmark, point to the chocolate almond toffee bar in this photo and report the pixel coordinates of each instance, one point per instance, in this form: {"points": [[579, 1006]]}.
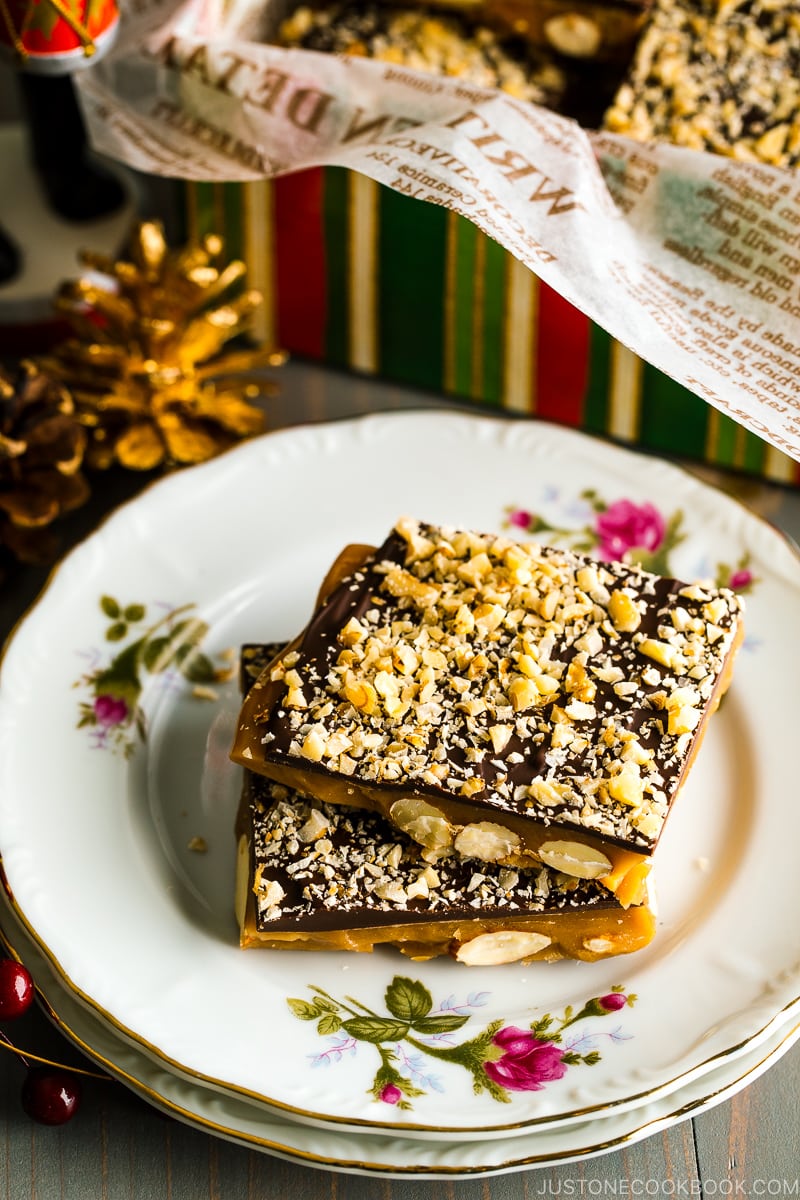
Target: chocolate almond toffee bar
{"points": [[314, 876], [440, 43], [719, 75], [506, 702]]}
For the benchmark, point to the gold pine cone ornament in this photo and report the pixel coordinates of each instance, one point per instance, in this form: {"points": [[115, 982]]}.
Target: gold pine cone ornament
{"points": [[151, 383], [42, 447]]}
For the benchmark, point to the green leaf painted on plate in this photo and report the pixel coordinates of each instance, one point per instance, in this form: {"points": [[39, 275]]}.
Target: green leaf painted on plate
{"points": [[329, 1024], [408, 999], [325, 1004], [376, 1029], [155, 655], [441, 1023], [303, 1010]]}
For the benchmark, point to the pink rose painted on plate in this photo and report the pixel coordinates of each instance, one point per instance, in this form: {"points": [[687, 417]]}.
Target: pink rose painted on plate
{"points": [[527, 1063], [625, 526], [741, 581], [613, 1001], [110, 711], [520, 518]]}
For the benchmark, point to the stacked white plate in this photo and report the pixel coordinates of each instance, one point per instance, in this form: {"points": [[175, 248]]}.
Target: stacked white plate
{"points": [[117, 802]]}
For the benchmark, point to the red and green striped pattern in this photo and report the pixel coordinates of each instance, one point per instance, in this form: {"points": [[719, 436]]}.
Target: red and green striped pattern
{"points": [[359, 276]]}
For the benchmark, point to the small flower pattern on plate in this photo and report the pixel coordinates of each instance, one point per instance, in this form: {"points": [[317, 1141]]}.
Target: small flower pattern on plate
{"points": [[167, 645], [500, 1058]]}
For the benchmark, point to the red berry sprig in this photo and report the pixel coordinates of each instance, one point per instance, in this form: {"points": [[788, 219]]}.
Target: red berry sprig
{"points": [[51, 1092]]}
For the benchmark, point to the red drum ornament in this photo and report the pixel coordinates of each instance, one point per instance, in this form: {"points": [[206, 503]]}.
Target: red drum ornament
{"points": [[55, 37]]}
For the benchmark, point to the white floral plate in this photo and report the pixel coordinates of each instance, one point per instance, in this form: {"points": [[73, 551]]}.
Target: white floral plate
{"points": [[358, 1151], [114, 777]]}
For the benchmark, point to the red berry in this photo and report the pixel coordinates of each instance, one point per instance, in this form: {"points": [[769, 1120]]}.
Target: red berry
{"points": [[51, 1096], [16, 989]]}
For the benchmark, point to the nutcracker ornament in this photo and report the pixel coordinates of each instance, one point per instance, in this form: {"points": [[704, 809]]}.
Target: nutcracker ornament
{"points": [[49, 40]]}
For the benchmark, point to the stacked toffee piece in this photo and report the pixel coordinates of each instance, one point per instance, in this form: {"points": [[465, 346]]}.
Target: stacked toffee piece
{"points": [[472, 749]]}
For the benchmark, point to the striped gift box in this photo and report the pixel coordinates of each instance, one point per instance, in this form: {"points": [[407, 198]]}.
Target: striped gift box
{"points": [[358, 276]]}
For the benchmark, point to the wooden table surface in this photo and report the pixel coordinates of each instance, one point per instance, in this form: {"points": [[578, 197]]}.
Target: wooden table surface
{"points": [[120, 1147]]}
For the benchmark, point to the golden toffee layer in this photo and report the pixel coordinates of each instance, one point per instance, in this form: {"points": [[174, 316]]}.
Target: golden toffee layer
{"points": [[313, 876], [507, 702]]}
